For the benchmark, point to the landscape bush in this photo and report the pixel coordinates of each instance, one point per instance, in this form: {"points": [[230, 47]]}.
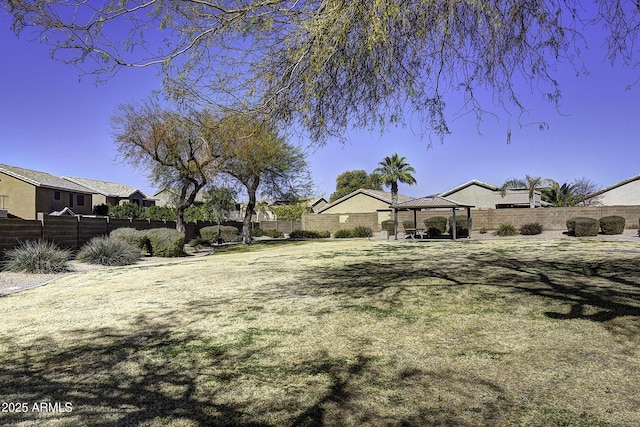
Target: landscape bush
{"points": [[362, 232], [227, 232], [585, 227], [106, 251], [571, 224], [343, 233], [101, 210], [259, 232], [165, 242], [309, 234], [137, 238], [387, 225], [436, 225], [37, 257], [531, 229], [506, 229], [462, 226], [612, 224]]}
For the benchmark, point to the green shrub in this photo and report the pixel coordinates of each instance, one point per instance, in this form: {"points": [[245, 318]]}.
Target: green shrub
{"points": [[571, 224], [37, 257], [259, 232], [105, 251], [436, 225], [612, 224], [362, 232], [343, 233], [531, 229], [586, 227], [309, 234], [506, 229], [101, 210], [462, 226], [227, 232], [132, 236], [165, 242], [387, 225]]}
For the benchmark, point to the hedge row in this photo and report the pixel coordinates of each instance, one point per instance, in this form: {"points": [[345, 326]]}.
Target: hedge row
{"points": [[164, 242], [583, 226]]}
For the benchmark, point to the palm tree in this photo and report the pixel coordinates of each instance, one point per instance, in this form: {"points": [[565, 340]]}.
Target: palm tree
{"points": [[530, 183], [392, 170], [560, 195]]}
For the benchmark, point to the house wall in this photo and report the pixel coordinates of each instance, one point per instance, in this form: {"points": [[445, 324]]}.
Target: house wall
{"points": [[45, 201], [484, 198], [360, 203], [21, 197], [628, 194]]}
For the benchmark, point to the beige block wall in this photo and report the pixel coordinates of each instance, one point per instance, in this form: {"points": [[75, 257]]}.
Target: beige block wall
{"points": [[549, 218]]}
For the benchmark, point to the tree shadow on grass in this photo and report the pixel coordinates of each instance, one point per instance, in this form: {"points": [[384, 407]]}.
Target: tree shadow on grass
{"points": [[611, 286], [113, 378]]}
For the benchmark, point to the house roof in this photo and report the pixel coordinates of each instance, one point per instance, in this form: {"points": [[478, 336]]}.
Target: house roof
{"points": [[431, 202], [611, 187], [383, 196], [109, 189], [470, 183], [42, 179]]}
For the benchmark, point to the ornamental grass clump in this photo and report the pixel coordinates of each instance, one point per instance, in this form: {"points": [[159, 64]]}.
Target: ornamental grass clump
{"points": [[166, 242], [41, 257], [506, 229], [362, 232], [612, 224], [106, 251], [436, 226]]}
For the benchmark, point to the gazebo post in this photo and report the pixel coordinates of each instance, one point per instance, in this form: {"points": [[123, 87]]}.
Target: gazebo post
{"points": [[395, 223], [415, 220], [454, 226], [469, 221]]}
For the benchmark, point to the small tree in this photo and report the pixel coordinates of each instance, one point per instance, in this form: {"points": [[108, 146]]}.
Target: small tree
{"points": [[262, 161], [178, 149], [350, 181]]}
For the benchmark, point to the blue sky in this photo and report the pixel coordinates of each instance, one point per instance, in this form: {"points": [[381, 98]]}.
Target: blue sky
{"points": [[54, 120]]}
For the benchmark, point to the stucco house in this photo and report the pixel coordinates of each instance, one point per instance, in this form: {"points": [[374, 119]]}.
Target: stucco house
{"points": [[27, 192], [483, 195], [361, 201], [623, 193], [169, 197], [112, 193]]}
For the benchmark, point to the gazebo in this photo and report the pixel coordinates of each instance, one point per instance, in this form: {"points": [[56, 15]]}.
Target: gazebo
{"points": [[432, 202]]}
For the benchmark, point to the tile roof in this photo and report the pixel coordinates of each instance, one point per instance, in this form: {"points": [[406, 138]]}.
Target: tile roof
{"points": [[384, 196], [42, 179], [431, 203], [109, 189]]}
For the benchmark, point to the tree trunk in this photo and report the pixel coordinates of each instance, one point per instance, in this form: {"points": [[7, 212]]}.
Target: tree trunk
{"points": [[246, 222], [394, 201], [180, 219]]}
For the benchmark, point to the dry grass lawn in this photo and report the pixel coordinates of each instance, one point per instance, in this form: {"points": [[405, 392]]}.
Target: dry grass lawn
{"points": [[519, 332]]}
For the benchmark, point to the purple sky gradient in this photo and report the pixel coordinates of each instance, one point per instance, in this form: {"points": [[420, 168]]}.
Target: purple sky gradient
{"points": [[53, 120]]}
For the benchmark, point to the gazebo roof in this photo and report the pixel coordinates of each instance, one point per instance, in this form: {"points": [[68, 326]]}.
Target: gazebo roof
{"points": [[431, 202]]}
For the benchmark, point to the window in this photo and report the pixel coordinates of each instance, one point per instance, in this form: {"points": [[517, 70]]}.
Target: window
{"points": [[70, 200], [80, 200], [56, 195]]}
